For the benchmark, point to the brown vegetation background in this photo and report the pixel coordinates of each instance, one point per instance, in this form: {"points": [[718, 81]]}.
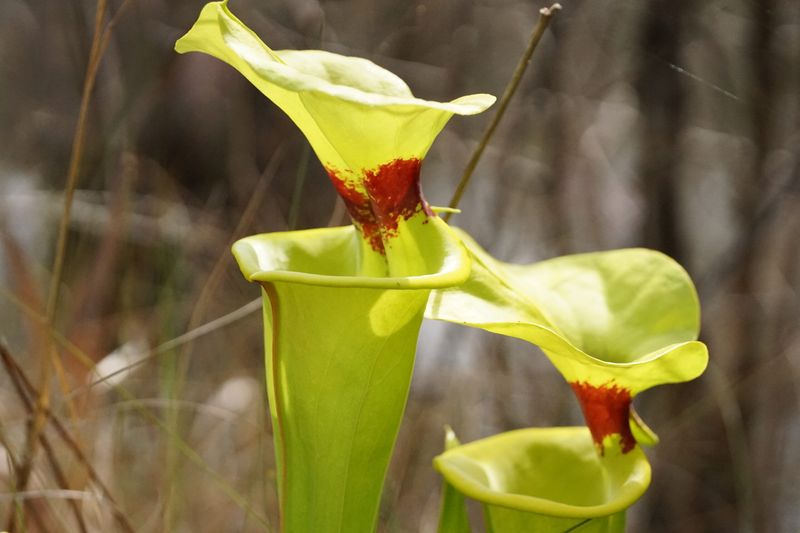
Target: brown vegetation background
{"points": [[663, 123]]}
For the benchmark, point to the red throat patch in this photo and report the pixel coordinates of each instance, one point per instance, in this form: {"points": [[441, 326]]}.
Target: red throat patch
{"points": [[391, 193], [606, 409]]}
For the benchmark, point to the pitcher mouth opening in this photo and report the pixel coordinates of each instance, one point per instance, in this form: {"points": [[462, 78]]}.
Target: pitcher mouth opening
{"points": [[328, 257], [562, 475]]}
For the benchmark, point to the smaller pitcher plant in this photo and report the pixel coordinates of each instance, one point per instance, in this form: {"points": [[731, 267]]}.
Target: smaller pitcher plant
{"points": [[343, 308], [614, 324], [540, 480]]}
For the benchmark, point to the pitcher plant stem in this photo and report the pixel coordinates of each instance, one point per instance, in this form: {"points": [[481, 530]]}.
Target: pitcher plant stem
{"points": [[546, 14]]}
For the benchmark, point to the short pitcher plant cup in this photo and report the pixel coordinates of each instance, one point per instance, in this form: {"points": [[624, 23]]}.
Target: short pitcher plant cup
{"points": [[614, 324], [540, 480], [342, 306]]}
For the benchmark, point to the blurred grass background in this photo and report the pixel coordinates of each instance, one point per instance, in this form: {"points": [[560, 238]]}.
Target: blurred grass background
{"points": [[668, 124]]}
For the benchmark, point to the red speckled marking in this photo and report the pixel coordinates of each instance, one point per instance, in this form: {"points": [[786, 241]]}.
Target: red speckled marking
{"points": [[358, 205], [606, 409], [391, 192]]}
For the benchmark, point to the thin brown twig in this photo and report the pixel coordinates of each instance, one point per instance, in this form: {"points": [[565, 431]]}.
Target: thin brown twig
{"points": [[76, 156], [213, 280], [13, 463], [17, 377], [184, 448], [37, 421], [96, 54], [24, 388], [106, 37], [49, 359], [207, 328], [545, 16], [250, 210]]}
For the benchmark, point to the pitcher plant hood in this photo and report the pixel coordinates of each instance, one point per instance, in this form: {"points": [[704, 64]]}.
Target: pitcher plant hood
{"points": [[613, 323], [367, 128]]}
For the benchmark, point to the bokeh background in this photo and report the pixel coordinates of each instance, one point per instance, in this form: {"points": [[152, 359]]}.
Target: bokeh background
{"points": [[669, 124]]}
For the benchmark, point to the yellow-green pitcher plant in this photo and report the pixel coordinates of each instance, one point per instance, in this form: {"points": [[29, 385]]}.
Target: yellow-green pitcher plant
{"points": [[539, 480], [614, 324], [342, 306]]}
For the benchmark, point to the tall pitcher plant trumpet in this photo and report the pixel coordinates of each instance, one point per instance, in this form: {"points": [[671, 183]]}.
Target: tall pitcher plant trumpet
{"points": [[342, 306]]}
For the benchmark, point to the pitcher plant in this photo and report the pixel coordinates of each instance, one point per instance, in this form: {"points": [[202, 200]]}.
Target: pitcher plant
{"points": [[342, 306], [614, 324]]}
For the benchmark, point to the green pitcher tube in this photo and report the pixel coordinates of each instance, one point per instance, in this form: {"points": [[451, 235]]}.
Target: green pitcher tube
{"points": [[339, 358]]}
